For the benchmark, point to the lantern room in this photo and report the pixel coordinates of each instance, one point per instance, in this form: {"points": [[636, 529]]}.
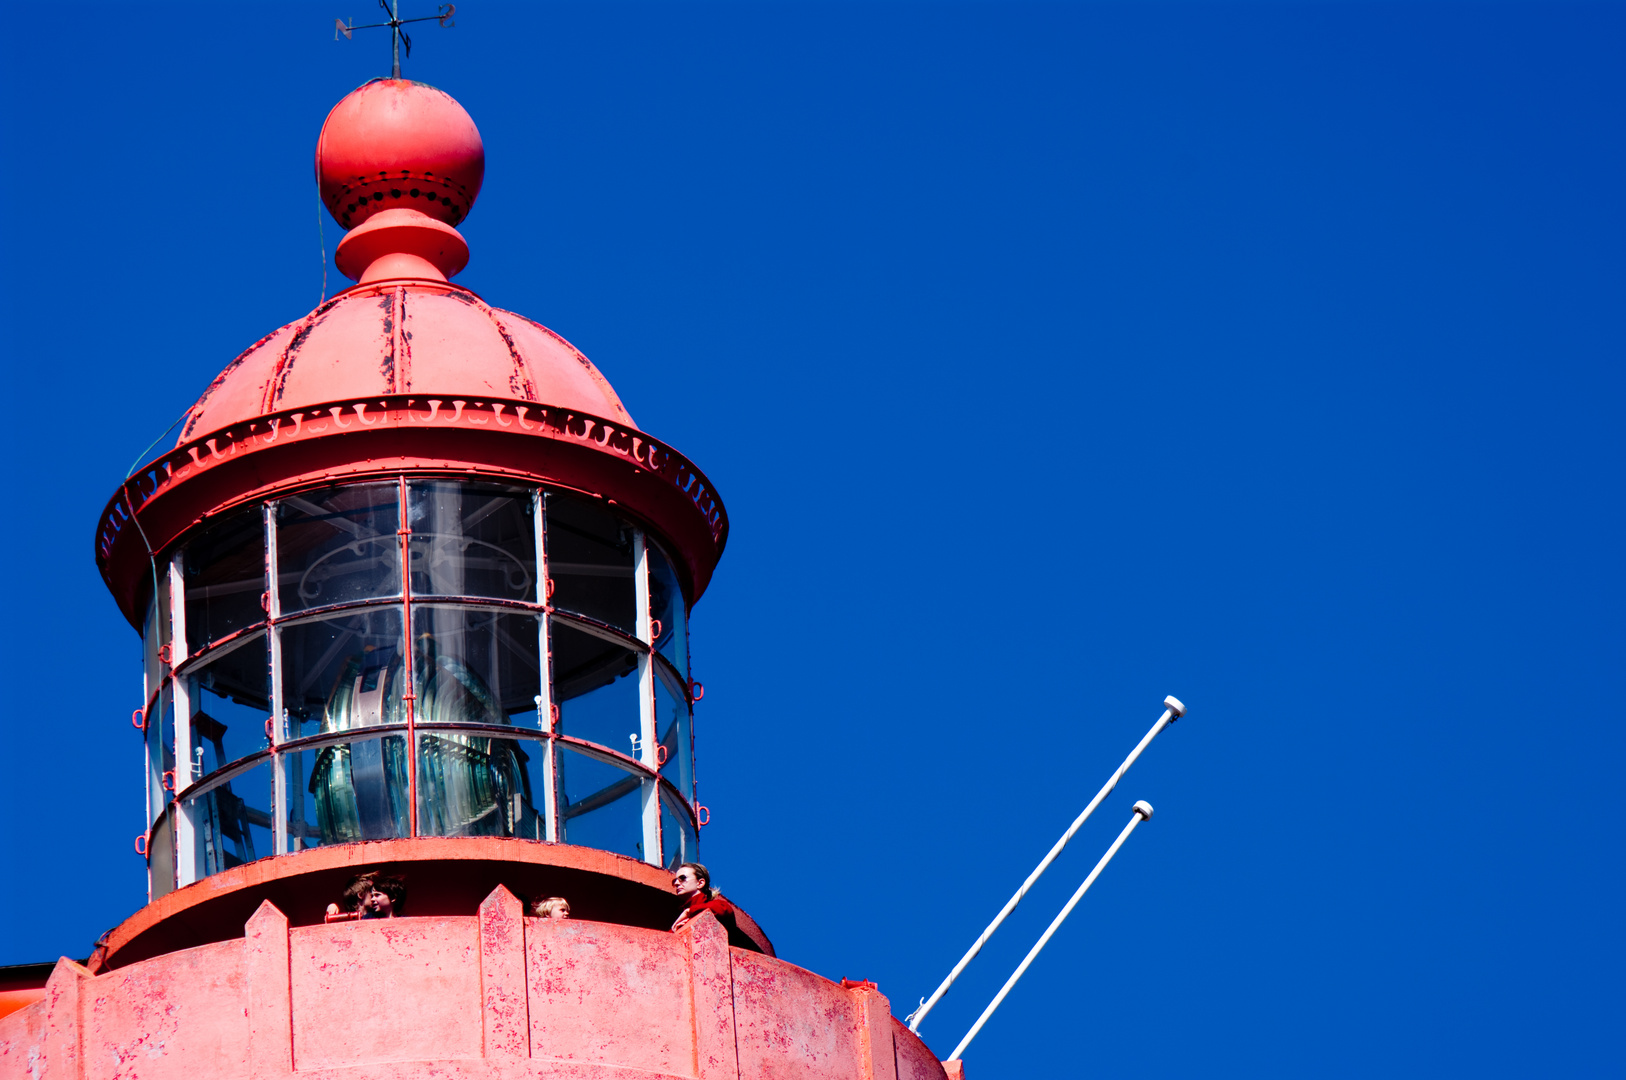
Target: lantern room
{"points": [[312, 639], [411, 570]]}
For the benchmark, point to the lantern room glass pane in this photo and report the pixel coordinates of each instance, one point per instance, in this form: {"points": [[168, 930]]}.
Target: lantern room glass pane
{"points": [[678, 841], [223, 566], [600, 804], [595, 684], [337, 545], [471, 540], [473, 785], [161, 856], [590, 562], [344, 671], [155, 634], [344, 792], [667, 608], [160, 736], [231, 702], [672, 731], [231, 822], [475, 665]]}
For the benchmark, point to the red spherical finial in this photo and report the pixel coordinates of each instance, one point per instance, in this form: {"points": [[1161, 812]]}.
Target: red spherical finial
{"points": [[398, 163], [393, 143]]}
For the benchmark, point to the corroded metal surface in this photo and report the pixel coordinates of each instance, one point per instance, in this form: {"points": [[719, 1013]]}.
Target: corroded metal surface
{"points": [[409, 337], [487, 995]]}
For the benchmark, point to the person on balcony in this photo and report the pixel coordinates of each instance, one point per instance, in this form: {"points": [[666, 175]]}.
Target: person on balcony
{"points": [[692, 881], [554, 907], [369, 896]]}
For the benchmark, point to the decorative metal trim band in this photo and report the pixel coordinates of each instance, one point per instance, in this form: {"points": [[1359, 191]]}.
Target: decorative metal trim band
{"points": [[165, 473]]}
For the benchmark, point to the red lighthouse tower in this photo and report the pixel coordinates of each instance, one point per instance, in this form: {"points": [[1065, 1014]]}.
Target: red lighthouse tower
{"points": [[414, 593]]}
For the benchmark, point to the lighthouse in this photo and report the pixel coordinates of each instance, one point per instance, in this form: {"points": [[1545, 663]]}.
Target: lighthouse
{"points": [[413, 590]]}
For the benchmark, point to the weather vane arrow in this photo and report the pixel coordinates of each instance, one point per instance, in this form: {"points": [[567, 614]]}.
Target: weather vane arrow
{"points": [[398, 36]]}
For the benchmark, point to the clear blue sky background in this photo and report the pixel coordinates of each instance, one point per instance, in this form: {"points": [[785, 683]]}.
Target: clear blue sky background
{"points": [[1050, 359]]}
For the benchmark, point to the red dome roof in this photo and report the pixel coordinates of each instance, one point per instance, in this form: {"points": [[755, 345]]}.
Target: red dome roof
{"points": [[356, 388], [404, 337]]}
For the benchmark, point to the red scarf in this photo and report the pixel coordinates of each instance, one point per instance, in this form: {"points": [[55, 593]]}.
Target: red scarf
{"points": [[701, 900]]}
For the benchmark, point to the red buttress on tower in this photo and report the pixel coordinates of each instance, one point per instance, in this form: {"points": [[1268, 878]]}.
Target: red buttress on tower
{"points": [[414, 594]]}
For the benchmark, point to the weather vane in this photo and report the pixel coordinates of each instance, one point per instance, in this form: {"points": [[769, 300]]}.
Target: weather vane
{"points": [[392, 8]]}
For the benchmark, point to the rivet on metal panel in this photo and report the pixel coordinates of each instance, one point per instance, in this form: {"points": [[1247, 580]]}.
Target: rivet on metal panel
{"points": [[139, 719], [702, 815]]}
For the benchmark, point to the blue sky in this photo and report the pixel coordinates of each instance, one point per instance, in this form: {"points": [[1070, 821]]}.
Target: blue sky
{"points": [[1050, 359]]}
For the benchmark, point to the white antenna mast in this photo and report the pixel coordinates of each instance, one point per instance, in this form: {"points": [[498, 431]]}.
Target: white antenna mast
{"points": [[1173, 711], [1143, 812]]}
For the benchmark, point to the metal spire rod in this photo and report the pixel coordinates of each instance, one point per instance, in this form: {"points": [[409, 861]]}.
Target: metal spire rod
{"points": [[1173, 711], [1143, 812]]}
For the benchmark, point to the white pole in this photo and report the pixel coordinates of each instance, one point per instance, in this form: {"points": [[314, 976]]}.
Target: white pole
{"points": [[1143, 812], [1174, 710]]}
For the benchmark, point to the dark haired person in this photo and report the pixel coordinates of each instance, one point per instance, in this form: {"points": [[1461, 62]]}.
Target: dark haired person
{"points": [[369, 896], [692, 881]]}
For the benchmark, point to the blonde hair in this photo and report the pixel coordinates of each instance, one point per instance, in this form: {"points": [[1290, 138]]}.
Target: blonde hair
{"points": [[554, 907]]}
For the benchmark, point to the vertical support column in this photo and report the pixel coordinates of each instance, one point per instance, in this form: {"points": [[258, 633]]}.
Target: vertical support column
{"points": [[505, 1000], [693, 794], [711, 975], [544, 700], [186, 859], [281, 840], [151, 704], [646, 700], [63, 1050], [409, 699], [152, 681], [270, 1002], [146, 807], [876, 1054]]}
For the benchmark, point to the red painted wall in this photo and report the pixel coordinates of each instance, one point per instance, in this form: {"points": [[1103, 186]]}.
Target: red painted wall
{"points": [[493, 995]]}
